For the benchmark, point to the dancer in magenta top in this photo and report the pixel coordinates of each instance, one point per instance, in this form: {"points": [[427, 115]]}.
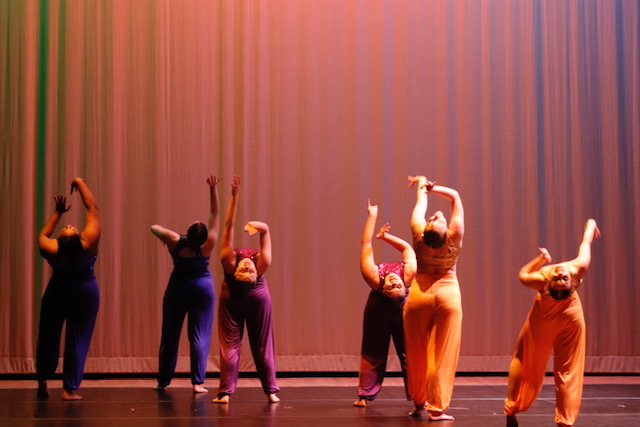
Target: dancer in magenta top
{"points": [[389, 283], [245, 298]]}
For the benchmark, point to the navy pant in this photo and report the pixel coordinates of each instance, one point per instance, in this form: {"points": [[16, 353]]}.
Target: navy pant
{"points": [[76, 302], [194, 297], [252, 306], [382, 321]]}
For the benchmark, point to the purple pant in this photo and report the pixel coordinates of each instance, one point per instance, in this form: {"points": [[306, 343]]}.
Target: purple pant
{"points": [[382, 321], [76, 302], [253, 306]]}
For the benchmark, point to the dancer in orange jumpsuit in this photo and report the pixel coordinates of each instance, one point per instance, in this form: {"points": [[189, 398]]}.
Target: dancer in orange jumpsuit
{"points": [[433, 311], [556, 321], [382, 321]]}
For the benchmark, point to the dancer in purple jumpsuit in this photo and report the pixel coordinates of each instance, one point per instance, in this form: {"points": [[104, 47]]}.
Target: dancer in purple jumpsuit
{"points": [[389, 284], [245, 298], [72, 294], [190, 291]]}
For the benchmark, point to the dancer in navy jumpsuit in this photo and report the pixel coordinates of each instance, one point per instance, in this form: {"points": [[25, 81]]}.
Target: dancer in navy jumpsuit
{"points": [[72, 294], [190, 291], [389, 284], [245, 298]]}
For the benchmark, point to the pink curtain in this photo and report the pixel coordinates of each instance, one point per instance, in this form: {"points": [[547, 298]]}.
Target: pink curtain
{"points": [[530, 109]]}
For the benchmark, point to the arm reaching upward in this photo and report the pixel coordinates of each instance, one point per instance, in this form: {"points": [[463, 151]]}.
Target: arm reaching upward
{"points": [[418, 220], [368, 267], [214, 214], [90, 235], [456, 225], [264, 256], [581, 263], [530, 273], [227, 253], [46, 244]]}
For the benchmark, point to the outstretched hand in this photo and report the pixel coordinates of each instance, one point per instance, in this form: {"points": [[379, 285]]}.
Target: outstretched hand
{"points": [[545, 254], [213, 180], [61, 203], [235, 185], [372, 209], [383, 230], [253, 227], [422, 181], [596, 230]]}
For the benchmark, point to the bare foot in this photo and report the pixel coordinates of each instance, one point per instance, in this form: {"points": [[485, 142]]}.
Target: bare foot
{"points": [[197, 388], [273, 398], [362, 403], [512, 421], [43, 393], [221, 398], [70, 395], [418, 412], [160, 388], [439, 416]]}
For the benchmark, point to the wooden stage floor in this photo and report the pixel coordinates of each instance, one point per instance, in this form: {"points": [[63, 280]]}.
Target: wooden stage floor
{"points": [[306, 402]]}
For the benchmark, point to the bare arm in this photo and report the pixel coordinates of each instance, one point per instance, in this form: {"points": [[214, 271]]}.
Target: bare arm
{"points": [[408, 254], [530, 273], [90, 235], [264, 256], [368, 267], [418, 220], [168, 237], [456, 225], [46, 244], [214, 215], [581, 263], [227, 253]]}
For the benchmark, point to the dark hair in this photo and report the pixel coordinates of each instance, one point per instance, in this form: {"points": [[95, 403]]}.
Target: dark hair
{"points": [[196, 235], [70, 247], [433, 239]]}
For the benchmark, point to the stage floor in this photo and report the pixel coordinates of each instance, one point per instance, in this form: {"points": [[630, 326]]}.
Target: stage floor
{"points": [[607, 401]]}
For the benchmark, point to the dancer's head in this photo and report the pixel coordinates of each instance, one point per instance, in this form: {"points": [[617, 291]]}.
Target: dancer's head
{"points": [[393, 286], [69, 243], [246, 271], [196, 235], [435, 232], [560, 282]]}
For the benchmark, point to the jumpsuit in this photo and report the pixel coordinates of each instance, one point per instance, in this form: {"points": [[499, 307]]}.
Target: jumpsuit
{"points": [[72, 295], [242, 302], [382, 321], [433, 325], [551, 324], [190, 291]]}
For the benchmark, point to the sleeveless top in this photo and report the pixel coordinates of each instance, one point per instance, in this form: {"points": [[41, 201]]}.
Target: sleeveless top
{"points": [[385, 268], [425, 259], [78, 270], [548, 293], [188, 266]]}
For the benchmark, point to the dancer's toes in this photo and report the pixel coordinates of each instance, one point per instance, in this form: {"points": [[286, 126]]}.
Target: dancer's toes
{"points": [[418, 412], [198, 388], [362, 403], [273, 398], [70, 395], [439, 416], [221, 398], [160, 388]]}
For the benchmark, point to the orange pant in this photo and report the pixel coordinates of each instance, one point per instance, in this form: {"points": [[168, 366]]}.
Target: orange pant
{"points": [[432, 327], [557, 325]]}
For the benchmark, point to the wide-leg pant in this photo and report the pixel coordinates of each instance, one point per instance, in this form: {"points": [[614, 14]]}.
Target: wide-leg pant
{"points": [[253, 307], [75, 302], [194, 297], [557, 325], [433, 326]]}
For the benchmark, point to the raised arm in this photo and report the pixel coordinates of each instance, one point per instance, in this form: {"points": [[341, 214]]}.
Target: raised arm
{"points": [[227, 253], [46, 244], [530, 273], [264, 256], [418, 216], [368, 267], [90, 235], [168, 237], [456, 224], [581, 263], [408, 254], [214, 216]]}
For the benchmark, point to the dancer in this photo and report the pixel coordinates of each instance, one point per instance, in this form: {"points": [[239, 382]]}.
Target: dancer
{"points": [[190, 291], [72, 294], [383, 313], [555, 321], [433, 311], [245, 298]]}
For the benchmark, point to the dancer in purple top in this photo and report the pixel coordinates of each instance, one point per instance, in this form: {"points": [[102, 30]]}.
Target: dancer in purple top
{"points": [[389, 284], [190, 291], [245, 298], [72, 295]]}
